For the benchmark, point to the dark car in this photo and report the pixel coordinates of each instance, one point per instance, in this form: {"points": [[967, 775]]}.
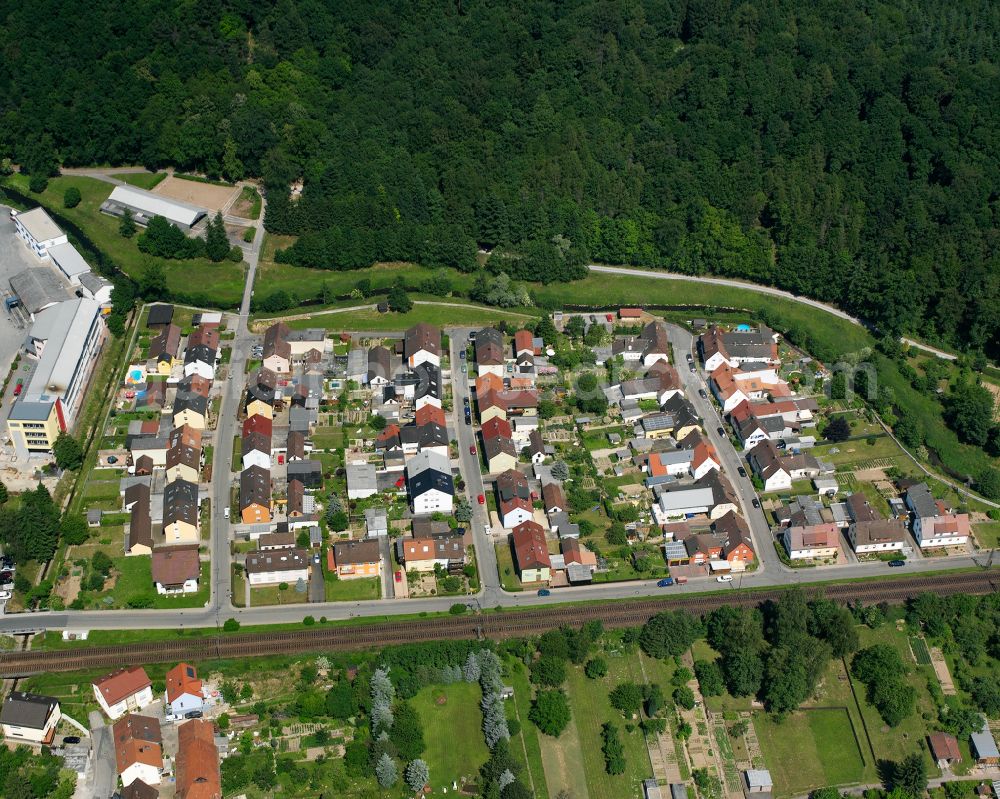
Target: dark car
{"points": [[691, 365], [897, 563], [690, 357], [665, 582], [702, 394], [193, 714], [721, 431], [71, 739], [742, 471], [544, 592], [461, 354], [756, 502]]}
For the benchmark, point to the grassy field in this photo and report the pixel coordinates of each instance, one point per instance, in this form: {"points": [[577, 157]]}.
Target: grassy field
{"points": [[591, 708], [135, 578], [223, 282], [452, 730], [437, 314], [143, 180], [505, 564], [809, 749], [988, 534], [527, 743], [352, 590]]}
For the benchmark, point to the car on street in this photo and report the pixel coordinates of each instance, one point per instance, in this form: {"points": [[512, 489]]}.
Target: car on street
{"points": [[464, 370], [702, 394], [472, 450], [721, 431], [398, 576], [897, 563], [18, 388], [225, 513], [193, 714], [481, 499], [610, 317], [756, 503], [462, 355], [724, 578], [544, 592], [691, 366], [742, 471], [666, 581], [71, 739], [690, 357]]}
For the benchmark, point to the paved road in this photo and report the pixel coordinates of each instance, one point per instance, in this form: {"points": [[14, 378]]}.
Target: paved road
{"points": [[486, 556]]}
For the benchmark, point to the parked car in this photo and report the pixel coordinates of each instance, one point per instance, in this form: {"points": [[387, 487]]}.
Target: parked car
{"points": [[225, 513], [690, 357], [399, 576], [544, 592], [721, 431], [193, 714], [71, 739], [897, 563], [464, 370], [691, 366], [665, 582], [481, 499], [724, 578], [472, 450], [18, 388], [462, 355], [742, 471], [756, 503], [702, 394], [610, 317]]}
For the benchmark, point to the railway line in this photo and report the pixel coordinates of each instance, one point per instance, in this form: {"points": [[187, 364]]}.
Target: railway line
{"points": [[506, 624]]}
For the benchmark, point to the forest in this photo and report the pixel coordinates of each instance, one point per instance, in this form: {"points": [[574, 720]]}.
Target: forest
{"points": [[840, 149]]}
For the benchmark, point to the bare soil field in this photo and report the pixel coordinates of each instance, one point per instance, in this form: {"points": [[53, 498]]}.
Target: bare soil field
{"points": [[205, 195]]}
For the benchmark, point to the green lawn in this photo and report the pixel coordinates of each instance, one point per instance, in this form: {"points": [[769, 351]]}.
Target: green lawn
{"points": [[441, 315], [135, 578], [144, 180], [453, 732], [273, 595], [352, 590], [222, 282], [809, 749], [527, 743], [327, 437], [591, 708], [505, 564], [988, 534]]}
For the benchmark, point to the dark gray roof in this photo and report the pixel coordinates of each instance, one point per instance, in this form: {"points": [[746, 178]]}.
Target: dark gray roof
{"points": [[921, 501], [201, 352], [27, 710], [430, 479], [180, 502], [426, 435], [160, 315], [428, 381], [189, 400], [38, 287]]}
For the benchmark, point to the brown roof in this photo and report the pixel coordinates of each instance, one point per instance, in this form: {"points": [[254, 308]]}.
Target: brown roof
{"points": [[284, 560], [181, 453], [255, 442], [733, 530], [879, 531], [255, 487], [180, 502], [512, 483], [265, 377], [258, 423], [195, 384], [166, 342], [530, 547], [175, 565], [430, 414], [422, 336], [182, 679], [496, 428], [498, 445], [140, 528], [535, 442], [524, 341], [120, 684], [137, 789], [944, 746], [275, 341], [154, 394], [440, 547], [197, 766], [553, 496], [860, 509], [350, 552], [285, 540], [517, 399], [296, 446], [296, 495], [204, 334], [137, 740]]}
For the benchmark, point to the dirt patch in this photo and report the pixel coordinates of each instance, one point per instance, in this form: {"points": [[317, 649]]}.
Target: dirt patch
{"points": [[995, 391], [69, 588], [243, 207], [204, 195], [871, 475]]}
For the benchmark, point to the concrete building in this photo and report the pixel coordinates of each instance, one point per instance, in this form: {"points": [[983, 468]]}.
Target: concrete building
{"points": [[29, 717], [277, 566], [430, 484], [123, 691], [38, 231]]}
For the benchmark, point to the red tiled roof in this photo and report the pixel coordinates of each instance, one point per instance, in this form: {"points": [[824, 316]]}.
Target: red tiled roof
{"points": [[529, 546], [197, 765], [182, 679], [121, 684]]}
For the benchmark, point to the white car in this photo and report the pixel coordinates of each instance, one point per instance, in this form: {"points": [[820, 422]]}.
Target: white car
{"points": [[724, 578]]}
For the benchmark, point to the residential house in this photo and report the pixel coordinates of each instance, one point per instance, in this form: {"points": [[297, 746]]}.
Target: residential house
{"points": [[309, 473], [860, 510], [531, 552], [197, 765], [176, 570], [139, 790], [536, 446], [427, 390], [717, 347], [200, 360], [152, 447], [426, 437], [159, 315], [656, 347], [389, 439], [295, 447], [428, 414], [934, 525], [184, 455], [422, 554], [139, 540], [255, 495], [138, 749], [123, 691], [489, 352], [983, 745], [657, 425], [877, 535], [274, 567], [560, 523], [767, 465], [500, 454], [361, 480], [514, 498], [31, 718], [256, 450], [277, 353], [379, 367], [813, 542], [355, 559], [184, 690], [190, 409], [732, 386], [685, 417], [431, 486], [262, 425], [268, 542], [524, 343], [553, 497], [704, 458], [580, 562], [180, 512], [702, 548], [422, 344], [296, 498], [737, 544], [163, 349]]}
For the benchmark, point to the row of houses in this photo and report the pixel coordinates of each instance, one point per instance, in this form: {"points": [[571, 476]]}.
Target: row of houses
{"points": [[65, 301]]}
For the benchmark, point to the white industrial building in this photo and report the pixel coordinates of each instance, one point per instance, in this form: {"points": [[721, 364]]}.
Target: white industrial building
{"points": [[144, 205], [69, 262], [38, 230]]}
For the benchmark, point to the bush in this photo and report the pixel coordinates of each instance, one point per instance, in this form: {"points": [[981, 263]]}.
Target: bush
{"points": [[550, 712], [230, 626], [71, 197], [684, 697], [308, 621], [38, 183], [596, 668], [457, 609]]}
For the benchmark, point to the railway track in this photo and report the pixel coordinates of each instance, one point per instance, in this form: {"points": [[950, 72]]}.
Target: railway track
{"points": [[510, 624]]}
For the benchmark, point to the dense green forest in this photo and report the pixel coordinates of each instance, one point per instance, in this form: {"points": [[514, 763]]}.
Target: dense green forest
{"points": [[843, 149]]}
